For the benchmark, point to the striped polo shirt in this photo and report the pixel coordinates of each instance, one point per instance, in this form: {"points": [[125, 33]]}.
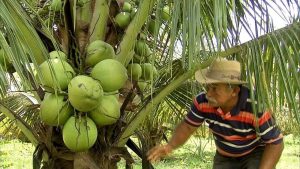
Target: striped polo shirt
{"points": [[239, 131]]}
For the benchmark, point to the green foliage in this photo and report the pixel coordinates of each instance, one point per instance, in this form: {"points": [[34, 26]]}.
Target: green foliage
{"points": [[15, 154]]}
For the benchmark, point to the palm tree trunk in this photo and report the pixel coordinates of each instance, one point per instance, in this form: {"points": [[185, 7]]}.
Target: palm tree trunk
{"points": [[84, 161], [106, 159]]}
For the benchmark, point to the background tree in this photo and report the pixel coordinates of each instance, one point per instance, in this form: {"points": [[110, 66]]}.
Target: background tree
{"points": [[161, 43]]}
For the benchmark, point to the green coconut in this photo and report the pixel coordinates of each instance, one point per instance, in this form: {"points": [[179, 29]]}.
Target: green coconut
{"points": [[56, 5], [151, 26], [141, 48], [56, 54], [56, 73], [79, 134], [55, 110], [111, 74], [142, 85], [148, 71], [84, 93], [108, 111], [126, 7], [98, 51], [134, 70], [122, 19]]}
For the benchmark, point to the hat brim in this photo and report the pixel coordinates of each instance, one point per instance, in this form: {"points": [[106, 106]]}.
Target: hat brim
{"points": [[201, 78]]}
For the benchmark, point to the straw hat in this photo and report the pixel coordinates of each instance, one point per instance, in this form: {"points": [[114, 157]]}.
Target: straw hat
{"points": [[221, 71]]}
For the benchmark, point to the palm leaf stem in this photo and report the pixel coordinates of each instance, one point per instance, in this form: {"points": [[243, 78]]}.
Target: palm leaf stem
{"points": [[25, 32], [99, 20]]}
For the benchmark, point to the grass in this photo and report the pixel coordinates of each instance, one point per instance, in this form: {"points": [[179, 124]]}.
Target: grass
{"points": [[17, 155]]}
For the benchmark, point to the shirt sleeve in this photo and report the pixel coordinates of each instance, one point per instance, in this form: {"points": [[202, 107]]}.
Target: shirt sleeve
{"points": [[268, 129], [194, 116]]}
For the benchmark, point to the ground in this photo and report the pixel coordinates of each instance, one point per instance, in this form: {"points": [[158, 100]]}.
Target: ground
{"points": [[17, 155]]}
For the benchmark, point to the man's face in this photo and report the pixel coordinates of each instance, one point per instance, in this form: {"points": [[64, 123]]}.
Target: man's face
{"points": [[219, 95]]}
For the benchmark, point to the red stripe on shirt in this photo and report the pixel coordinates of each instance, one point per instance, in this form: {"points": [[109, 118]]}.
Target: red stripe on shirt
{"points": [[196, 104], [264, 118], [206, 108], [244, 117]]}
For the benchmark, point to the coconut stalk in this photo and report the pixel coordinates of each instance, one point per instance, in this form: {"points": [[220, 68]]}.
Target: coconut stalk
{"points": [[133, 29], [81, 17], [97, 29]]}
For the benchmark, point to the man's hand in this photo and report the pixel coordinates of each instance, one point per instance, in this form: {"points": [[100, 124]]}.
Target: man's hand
{"points": [[157, 152], [182, 132]]}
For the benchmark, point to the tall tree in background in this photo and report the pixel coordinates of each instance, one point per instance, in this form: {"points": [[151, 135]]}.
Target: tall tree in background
{"points": [[80, 77]]}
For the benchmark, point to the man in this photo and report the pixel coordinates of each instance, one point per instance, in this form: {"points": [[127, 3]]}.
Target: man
{"points": [[244, 140]]}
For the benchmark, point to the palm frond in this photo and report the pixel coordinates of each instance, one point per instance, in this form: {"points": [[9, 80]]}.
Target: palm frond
{"points": [[225, 41], [21, 114]]}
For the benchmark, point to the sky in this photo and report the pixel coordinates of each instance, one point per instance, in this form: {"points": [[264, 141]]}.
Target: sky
{"points": [[281, 16]]}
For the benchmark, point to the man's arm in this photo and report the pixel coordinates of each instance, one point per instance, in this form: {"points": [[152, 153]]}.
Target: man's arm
{"points": [[271, 155], [182, 132]]}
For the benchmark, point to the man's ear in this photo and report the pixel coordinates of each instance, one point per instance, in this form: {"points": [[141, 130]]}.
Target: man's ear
{"points": [[236, 91]]}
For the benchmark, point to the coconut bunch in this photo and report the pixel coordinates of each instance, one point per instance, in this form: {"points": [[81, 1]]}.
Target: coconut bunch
{"points": [[83, 92], [141, 68], [123, 18], [82, 102], [165, 15]]}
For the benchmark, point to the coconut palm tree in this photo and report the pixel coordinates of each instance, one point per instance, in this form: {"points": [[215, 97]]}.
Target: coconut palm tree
{"points": [[167, 40]]}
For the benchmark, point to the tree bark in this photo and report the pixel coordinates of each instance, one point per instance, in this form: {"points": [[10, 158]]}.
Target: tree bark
{"points": [[93, 159], [83, 160]]}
